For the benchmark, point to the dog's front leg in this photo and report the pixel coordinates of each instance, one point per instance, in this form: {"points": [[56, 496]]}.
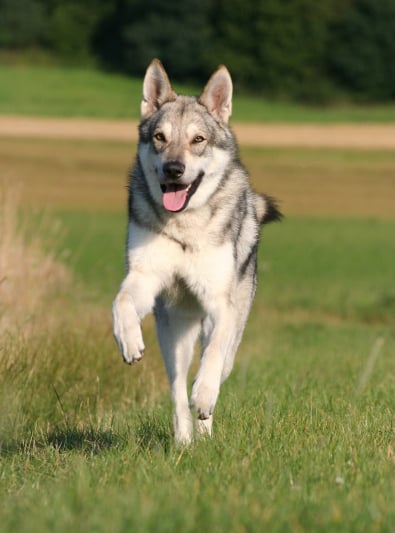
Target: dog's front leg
{"points": [[178, 329], [217, 341], [134, 300]]}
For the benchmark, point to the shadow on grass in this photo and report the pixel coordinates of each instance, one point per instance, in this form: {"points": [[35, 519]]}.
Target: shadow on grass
{"points": [[89, 440], [148, 434]]}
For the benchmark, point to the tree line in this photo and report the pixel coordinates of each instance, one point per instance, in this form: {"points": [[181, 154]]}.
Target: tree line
{"points": [[306, 50]]}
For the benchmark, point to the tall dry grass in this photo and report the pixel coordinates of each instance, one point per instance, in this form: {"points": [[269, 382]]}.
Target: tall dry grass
{"points": [[30, 274], [33, 283]]}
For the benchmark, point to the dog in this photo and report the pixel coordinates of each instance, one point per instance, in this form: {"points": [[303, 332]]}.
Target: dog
{"points": [[194, 225]]}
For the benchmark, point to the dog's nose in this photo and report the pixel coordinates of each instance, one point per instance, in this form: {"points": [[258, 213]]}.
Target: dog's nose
{"points": [[173, 170]]}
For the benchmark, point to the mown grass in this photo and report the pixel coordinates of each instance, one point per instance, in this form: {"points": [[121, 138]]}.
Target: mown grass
{"points": [[304, 430], [55, 91]]}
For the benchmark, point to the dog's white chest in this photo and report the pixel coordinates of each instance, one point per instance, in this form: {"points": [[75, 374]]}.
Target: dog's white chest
{"points": [[207, 270]]}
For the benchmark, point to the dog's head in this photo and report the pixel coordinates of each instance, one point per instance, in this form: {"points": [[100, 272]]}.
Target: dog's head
{"points": [[185, 143]]}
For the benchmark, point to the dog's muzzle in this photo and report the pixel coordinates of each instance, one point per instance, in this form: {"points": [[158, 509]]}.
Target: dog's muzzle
{"points": [[173, 170], [176, 195]]}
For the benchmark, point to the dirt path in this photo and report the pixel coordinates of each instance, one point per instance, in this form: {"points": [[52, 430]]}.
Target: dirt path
{"points": [[362, 136]]}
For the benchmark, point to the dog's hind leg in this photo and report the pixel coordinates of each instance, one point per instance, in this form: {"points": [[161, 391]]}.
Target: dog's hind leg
{"points": [[204, 427], [245, 295], [218, 338], [178, 330]]}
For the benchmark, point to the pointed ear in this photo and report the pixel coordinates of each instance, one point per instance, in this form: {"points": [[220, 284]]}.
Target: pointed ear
{"points": [[156, 89], [217, 95]]}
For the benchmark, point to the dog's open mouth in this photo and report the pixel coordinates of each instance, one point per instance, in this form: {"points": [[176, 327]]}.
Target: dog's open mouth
{"points": [[176, 195]]}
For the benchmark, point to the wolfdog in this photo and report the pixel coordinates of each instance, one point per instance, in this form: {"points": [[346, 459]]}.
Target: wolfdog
{"points": [[194, 224]]}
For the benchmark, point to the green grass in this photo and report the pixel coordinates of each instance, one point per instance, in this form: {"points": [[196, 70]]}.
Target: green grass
{"points": [[53, 91], [342, 268], [304, 428], [304, 433]]}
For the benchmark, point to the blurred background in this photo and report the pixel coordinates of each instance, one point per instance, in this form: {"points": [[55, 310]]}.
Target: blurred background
{"points": [[300, 49]]}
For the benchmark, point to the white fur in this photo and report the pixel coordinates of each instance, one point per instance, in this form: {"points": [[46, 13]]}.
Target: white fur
{"points": [[209, 272], [187, 268]]}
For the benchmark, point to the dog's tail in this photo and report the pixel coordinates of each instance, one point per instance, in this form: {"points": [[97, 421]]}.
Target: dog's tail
{"points": [[267, 209]]}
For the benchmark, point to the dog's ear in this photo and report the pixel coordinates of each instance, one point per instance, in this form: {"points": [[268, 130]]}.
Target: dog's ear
{"points": [[217, 95], [156, 89]]}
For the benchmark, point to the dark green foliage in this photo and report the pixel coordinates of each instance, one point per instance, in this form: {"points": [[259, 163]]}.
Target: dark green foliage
{"points": [[275, 47], [177, 32], [301, 49], [22, 23], [362, 49], [71, 27]]}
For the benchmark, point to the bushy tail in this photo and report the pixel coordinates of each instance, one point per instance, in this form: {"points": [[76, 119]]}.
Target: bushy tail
{"points": [[267, 209]]}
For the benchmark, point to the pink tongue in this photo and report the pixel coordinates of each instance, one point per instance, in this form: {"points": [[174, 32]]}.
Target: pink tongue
{"points": [[174, 198]]}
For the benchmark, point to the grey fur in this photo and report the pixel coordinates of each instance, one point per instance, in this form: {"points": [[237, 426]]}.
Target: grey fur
{"points": [[194, 225]]}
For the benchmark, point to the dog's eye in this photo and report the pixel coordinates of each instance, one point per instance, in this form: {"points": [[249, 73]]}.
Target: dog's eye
{"points": [[160, 137], [198, 139]]}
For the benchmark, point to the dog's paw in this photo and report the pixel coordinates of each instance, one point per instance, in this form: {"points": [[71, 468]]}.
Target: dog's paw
{"points": [[126, 328], [203, 398], [204, 428], [183, 429]]}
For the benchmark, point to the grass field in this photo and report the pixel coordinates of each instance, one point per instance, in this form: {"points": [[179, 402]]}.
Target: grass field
{"points": [[51, 91], [304, 431]]}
